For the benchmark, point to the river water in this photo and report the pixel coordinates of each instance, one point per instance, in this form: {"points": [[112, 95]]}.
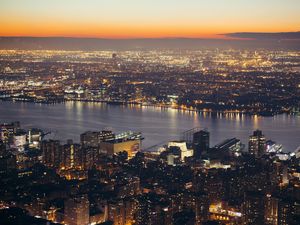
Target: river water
{"points": [[68, 120]]}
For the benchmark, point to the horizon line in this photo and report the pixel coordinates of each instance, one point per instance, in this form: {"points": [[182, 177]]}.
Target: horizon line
{"points": [[220, 36]]}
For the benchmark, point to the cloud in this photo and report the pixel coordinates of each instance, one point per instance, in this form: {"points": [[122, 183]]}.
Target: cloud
{"points": [[266, 36]]}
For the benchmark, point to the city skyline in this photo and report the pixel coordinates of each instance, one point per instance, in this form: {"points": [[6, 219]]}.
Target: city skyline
{"points": [[146, 19], [139, 112]]}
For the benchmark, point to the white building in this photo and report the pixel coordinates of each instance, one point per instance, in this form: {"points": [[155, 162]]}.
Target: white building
{"points": [[184, 151], [19, 141]]}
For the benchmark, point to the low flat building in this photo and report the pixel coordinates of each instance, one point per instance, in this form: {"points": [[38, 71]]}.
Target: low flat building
{"points": [[128, 141]]}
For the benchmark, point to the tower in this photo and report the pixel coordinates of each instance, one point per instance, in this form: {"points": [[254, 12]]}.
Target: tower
{"points": [[52, 153], [72, 156], [200, 143], [257, 144]]}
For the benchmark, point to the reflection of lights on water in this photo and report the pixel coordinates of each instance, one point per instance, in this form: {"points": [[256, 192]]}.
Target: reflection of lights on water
{"points": [[255, 121], [220, 115], [237, 118]]}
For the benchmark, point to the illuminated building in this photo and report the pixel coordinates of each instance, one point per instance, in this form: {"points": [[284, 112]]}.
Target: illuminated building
{"points": [[279, 175], [288, 211], [34, 138], [7, 130], [114, 147], [77, 210], [72, 156], [257, 144], [98, 217], [273, 147], [253, 208], [214, 186], [215, 164], [128, 186], [201, 208], [52, 153], [128, 141], [271, 210], [121, 212], [225, 214], [89, 156], [151, 209], [231, 146], [94, 138], [170, 159], [184, 151], [19, 140], [200, 143], [116, 212], [74, 174], [197, 202]]}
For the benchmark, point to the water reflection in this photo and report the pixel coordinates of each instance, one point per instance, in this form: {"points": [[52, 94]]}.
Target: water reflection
{"points": [[157, 124]]}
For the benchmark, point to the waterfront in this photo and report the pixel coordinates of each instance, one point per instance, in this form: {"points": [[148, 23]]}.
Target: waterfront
{"points": [[69, 120]]}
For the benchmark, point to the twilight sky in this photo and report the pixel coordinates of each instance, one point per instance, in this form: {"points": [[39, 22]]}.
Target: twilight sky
{"points": [[146, 18]]}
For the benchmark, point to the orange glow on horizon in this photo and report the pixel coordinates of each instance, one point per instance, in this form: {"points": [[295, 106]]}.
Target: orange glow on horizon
{"points": [[143, 19], [116, 31]]}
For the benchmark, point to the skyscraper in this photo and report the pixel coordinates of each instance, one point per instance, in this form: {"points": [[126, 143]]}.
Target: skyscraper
{"points": [[52, 153], [72, 156], [77, 210], [253, 208], [200, 143], [257, 144], [90, 139], [271, 210]]}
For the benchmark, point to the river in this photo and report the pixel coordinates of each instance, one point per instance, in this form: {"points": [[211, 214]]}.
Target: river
{"points": [[68, 120]]}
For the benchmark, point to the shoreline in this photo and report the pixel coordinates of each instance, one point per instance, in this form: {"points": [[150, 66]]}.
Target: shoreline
{"points": [[162, 106]]}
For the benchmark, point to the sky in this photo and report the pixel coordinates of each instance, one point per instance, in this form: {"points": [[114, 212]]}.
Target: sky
{"points": [[146, 18]]}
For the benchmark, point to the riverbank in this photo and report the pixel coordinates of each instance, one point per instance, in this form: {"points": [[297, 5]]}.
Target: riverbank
{"points": [[160, 105]]}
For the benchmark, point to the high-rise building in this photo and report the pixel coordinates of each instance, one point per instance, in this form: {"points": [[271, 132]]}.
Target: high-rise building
{"points": [[201, 208], [94, 138], [253, 208], [152, 210], [89, 139], [288, 211], [34, 138], [257, 144], [116, 212], [77, 210], [72, 156], [200, 143], [128, 186], [122, 211], [2, 148], [19, 140], [279, 174], [52, 153], [271, 210], [7, 130], [90, 156]]}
